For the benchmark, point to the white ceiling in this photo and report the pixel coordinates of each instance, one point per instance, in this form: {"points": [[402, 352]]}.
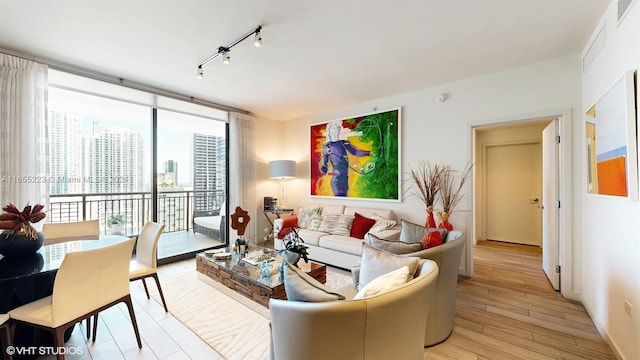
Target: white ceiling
{"points": [[317, 55]]}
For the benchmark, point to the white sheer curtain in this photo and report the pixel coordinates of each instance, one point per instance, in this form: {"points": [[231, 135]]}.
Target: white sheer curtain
{"points": [[24, 146], [242, 170]]}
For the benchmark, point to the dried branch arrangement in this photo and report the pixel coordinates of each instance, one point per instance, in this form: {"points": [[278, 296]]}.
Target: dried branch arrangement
{"points": [[451, 187], [426, 182]]}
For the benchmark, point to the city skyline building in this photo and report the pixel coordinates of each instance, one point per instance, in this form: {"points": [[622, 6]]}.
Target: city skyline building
{"points": [[209, 170], [116, 160], [65, 153]]}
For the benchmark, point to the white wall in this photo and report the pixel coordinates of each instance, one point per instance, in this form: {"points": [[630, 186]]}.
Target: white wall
{"points": [[610, 226], [441, 132]]}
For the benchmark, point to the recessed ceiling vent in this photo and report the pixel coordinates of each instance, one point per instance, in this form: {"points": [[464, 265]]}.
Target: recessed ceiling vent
{"points": [[623, 6], [594, 49]]}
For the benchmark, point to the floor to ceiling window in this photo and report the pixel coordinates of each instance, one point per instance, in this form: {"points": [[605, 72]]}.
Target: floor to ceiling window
{"points": [[101, 151], [192, 171]]}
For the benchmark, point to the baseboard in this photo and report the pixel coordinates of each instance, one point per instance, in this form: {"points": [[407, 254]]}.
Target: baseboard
{"points": [[602, 331]]}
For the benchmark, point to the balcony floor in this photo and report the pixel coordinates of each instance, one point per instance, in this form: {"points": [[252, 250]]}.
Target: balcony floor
{"points": [[180, 245]]}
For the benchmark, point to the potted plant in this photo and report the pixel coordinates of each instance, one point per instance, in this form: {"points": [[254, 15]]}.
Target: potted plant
{"points": [[294, 247], [18, 236], [115, 223]]}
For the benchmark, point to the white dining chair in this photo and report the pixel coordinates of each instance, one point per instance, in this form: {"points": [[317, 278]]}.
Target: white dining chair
{"points": [[80, 230], [87, 282], [145, 264]]}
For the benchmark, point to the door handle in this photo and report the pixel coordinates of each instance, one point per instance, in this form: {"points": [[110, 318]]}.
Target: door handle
{"points": [[535, 200]]}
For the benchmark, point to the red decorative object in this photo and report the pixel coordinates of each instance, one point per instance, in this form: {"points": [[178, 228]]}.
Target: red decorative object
{"points": [[288, 222], [444, 221], [361, 226], [431, 222], [431, 239]]}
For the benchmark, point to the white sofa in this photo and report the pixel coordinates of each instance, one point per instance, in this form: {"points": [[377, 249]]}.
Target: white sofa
{"points": [[337, 250]]}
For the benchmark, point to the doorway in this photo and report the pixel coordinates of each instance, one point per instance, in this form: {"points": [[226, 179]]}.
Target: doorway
{"points": [[508, 203]]}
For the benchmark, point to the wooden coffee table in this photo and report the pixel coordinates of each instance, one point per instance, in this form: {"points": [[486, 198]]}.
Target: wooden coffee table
{"points": [[245, 278]]}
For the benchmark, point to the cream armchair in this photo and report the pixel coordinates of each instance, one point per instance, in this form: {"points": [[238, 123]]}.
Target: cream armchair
{"points": [[385, 326], [442, 311]]}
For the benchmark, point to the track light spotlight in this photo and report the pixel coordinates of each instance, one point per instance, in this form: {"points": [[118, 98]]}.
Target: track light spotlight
{"points": [[225, 50], [257, 39]]}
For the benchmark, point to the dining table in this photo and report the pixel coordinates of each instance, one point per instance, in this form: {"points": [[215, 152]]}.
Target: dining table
{"points": [[27, 278]]}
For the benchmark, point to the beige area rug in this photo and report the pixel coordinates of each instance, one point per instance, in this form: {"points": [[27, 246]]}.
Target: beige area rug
{"points": [[233, 325]]}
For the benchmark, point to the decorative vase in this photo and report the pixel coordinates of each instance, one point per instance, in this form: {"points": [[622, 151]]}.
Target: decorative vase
{"points": [[430, 223], [116, 229], [19, 244], [292, 257], [444, 221]]}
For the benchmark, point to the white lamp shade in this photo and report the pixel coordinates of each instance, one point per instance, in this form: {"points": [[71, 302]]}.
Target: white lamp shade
{"points": [[282, 169]]}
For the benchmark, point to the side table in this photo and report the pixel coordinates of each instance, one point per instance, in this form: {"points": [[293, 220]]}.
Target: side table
{"points": [[272, 215]]}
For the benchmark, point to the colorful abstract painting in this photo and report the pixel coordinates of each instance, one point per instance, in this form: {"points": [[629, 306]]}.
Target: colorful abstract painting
{"points": [[357, 157], [611, 142]]}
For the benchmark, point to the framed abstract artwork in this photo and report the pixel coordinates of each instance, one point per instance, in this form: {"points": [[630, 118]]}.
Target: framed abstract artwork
{"points": [[611, 145], [357, 157]]}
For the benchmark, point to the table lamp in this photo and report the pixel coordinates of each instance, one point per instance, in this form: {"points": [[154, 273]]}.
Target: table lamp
{"points": [[283, 170]]}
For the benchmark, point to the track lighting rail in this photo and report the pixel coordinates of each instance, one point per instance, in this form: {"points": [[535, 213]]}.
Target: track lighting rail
{"points": [[225, 50]]}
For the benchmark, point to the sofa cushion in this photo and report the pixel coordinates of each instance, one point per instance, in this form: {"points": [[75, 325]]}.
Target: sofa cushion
{"points": [[345, 244], [374, 263], [431, 239], [361, 226], [413, 232], [394, 246], [384, 283], [336, 224], [311, 237], [305, 216], [315, 223], [210, 222], [288, 223], [300, 286], [382, 223]]}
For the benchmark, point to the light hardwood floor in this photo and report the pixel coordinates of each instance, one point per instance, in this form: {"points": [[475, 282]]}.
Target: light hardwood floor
{"points": [[507, 311]]}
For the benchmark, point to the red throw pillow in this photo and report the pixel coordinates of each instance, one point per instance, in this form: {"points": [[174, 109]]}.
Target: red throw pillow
{"points": [[361, 225], [288, 222], [431, 239]]}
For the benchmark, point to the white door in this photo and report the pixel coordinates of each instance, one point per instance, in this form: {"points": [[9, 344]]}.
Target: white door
{"points": [[550, 211], [513, 191]]}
